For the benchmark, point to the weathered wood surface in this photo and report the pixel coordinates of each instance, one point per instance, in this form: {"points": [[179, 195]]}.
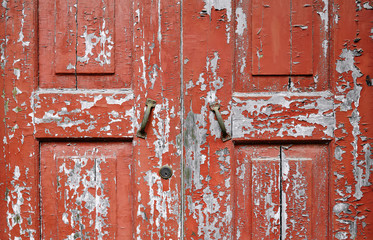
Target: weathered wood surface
{"points": [[89, 187], [85, 44], [19, 178], [294, 82], [83, 114], [351, 168], [208, 41], [281, 191], [156, 75]]}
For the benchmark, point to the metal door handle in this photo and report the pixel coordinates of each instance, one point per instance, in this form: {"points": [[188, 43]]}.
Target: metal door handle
{"points": [[149, 105], [224, 135]]}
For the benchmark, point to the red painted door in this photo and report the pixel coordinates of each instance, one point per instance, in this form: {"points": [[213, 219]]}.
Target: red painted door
{"points": [[76, 156], [98, 180], [289, 78], [265, 62]]}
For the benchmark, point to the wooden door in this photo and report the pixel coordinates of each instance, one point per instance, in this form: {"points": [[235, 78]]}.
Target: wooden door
{"points": [[267, 63], [94, 65], [289, 77], [95, 87]]}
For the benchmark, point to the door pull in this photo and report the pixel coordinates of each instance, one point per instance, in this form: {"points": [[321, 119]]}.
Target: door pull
{"points": [[149, 105], [224, 135]]}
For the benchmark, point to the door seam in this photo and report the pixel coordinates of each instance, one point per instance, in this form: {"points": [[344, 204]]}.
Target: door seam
{"points": [[280, 188], [182, 203]]}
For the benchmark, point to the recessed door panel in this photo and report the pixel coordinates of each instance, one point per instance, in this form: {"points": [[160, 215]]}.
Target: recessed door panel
{"points": [[282, 37], [281, 191], [85, 44], [281, 46], [86, 190]]}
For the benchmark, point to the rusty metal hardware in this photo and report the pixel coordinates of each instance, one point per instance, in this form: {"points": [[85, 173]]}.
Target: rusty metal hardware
{"points": [[149, 105], [224, 135], [165, 172]]}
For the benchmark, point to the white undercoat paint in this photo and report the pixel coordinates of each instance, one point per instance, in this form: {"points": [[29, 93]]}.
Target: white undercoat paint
{"points": [[350, 99], [76, 178], [324, 15], [241, 21], [218, 5], [242, 125], [104, 40]]}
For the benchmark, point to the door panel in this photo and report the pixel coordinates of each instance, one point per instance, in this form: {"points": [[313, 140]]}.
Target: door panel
{"points": [[257, 192], [281, 192], [85, 56], [283, 115], [83, 113], [305, 185], [281, 46], [85, 44], [282, 37], [86, 188]]}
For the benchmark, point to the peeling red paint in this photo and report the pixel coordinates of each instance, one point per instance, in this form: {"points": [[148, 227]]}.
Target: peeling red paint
{"points": [[293, 79], [277, 116], [351, 191], [87, 114], [156, 75], [19, 204]]}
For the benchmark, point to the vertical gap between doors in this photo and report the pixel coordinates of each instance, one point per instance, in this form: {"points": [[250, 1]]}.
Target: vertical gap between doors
{"points": [[76, 45], [182, 124], [40, 199], [280, 181]]}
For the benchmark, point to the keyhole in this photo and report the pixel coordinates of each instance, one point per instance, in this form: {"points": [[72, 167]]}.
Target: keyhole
{"points": [[165, 172]]}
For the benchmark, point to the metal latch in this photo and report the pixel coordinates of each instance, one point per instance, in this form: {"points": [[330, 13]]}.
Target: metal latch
{"points": [[149, 105], [224, 135]]}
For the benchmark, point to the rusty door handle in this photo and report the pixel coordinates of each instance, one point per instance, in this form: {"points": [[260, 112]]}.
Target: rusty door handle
{"points": [[224, 135], [149, 105]]}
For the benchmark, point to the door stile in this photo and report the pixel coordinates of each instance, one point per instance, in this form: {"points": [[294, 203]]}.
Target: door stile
{"points": [[19, 204], [208, 43], [156, 75], [351, 75]]}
